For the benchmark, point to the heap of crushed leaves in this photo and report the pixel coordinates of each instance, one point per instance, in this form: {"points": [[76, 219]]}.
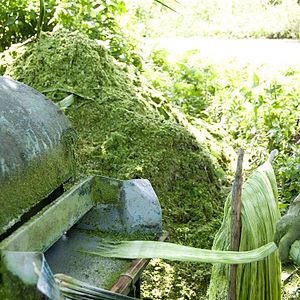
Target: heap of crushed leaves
{"points": [[124, 131]]}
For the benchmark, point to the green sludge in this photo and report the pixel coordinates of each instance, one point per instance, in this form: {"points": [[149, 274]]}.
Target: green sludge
{"points": [[260, 213]]}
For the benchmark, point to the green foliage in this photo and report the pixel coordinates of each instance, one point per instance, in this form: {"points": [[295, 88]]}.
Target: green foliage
{"points": [[190, 87], [19, 18], [257, 110], [226, 18], [97, 19]]}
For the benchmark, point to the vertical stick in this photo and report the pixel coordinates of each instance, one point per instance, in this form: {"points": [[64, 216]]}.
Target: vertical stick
{"points": [[235, 222], [41, 19]]}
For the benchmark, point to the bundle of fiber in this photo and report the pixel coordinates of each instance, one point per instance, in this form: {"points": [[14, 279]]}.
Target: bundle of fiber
{"points": [[259, 215]]}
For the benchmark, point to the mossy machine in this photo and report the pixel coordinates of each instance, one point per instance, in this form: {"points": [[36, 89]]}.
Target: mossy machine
{"points": [[44, 230]]}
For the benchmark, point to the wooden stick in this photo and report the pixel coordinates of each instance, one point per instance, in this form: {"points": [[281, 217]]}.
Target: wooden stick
{"points": [[272, 155], [235, 222], [125, 282]]}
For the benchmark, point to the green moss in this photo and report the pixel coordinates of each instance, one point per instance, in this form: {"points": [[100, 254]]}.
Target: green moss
{"points": [[12, 288], [125, 133], [23, 190], [105, 190]]}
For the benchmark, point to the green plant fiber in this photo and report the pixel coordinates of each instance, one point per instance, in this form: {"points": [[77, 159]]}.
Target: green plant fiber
{"points": [[152, 249], [259, 215], [258, 275], [124, 132], [74, 289]]}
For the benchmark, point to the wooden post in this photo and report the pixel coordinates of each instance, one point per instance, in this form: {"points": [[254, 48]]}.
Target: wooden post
{"points": [[235, 222]]}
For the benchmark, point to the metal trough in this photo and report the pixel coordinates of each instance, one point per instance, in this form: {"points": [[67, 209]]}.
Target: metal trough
{"points": [[44, 229]]}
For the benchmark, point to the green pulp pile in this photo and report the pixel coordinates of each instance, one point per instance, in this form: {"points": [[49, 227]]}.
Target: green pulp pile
{"points": [[123, 132]]}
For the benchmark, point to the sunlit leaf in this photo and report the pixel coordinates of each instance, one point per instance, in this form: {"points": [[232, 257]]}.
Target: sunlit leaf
{"points": [[66, 102]]}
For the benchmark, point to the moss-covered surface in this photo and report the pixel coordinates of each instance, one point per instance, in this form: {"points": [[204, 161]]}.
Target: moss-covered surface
{"points": [[106, 190], [124, 133], [12, 288], [22, 190]]}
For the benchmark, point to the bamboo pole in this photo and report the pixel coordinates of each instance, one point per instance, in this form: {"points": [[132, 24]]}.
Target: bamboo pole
{"points": [[235, 222], [125, 282]]}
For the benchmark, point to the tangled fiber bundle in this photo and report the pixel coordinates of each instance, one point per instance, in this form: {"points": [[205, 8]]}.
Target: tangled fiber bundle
{"points": [[259, 215]]}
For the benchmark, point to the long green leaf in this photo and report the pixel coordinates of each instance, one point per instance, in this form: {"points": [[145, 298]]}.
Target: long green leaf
{"points": [[152, 249]]}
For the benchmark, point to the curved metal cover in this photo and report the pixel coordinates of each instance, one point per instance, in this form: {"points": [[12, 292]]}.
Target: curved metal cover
{"points": [[35, 150]]}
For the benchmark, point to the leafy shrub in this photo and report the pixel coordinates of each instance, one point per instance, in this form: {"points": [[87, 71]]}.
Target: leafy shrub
{"points": [[192, 88], [19, 18], [257, 111], [97, 19]]}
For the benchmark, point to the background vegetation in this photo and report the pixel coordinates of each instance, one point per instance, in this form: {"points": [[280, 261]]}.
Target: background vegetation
{"points": [[222, 107], [97, 19], [230, 18], [258, 110]]}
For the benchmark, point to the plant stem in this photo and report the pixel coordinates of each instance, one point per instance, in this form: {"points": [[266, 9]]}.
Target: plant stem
{"points": [[235, 222], [41, 18]]}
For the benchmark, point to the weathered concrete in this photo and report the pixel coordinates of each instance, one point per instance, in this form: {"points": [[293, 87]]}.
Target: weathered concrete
{"points": [[141, 210], [123, 206]]}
